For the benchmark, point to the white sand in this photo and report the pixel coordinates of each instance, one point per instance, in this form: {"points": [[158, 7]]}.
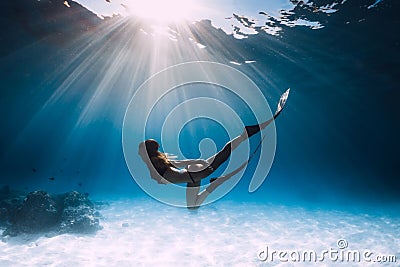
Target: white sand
{"points": [[148, 233]]}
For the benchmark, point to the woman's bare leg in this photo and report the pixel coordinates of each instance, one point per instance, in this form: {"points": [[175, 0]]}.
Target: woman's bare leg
{"points": [[218, 159], [194, 199], [192, 189], [192, 192], [228, 148]]}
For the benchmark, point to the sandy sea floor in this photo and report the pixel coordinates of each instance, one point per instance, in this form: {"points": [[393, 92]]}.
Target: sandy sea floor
{"points": [[143, 232]]}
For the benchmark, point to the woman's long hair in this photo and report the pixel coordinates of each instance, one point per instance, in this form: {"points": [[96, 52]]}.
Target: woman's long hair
{"points": [[157, 158]]}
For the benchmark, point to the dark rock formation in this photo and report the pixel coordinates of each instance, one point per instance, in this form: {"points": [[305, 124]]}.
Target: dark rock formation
{"points": [[40, 212], [76, 199], [79, 215]]}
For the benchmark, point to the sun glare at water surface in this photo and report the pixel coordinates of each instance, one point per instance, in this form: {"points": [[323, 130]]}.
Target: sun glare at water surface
{"points": [[161, 11]]}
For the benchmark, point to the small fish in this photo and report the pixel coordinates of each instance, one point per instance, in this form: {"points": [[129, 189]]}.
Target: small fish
{"points": [[80, 184], [52, 178], [33, 169]]}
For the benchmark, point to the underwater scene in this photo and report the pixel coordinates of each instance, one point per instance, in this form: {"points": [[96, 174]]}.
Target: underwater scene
{"points": [[199, 133]]}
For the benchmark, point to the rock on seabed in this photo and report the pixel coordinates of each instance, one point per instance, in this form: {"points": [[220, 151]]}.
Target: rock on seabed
{"points": [[41, 212]]}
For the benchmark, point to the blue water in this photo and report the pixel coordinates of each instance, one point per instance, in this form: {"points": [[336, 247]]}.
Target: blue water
{"points": [[67, 78]]}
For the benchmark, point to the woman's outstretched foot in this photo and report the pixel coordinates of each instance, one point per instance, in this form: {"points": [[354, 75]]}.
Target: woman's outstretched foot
{"points": [[253, 129]]}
